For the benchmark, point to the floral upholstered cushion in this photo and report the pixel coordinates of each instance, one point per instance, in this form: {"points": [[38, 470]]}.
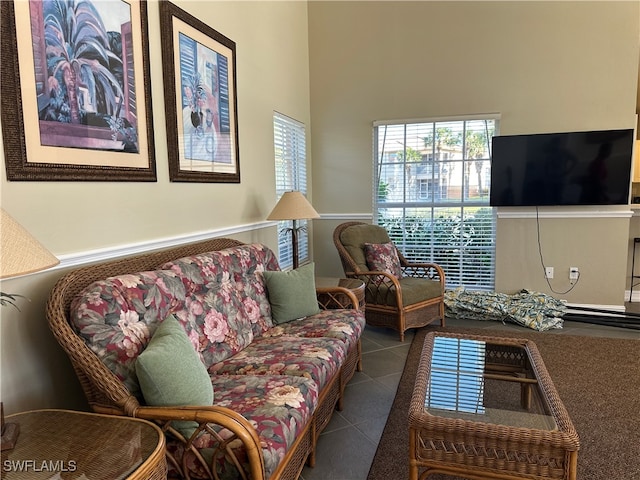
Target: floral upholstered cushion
{"points": [[345, 325], [235, 274], [316, 358], [383, 257], [117, 316], [278, 406]]}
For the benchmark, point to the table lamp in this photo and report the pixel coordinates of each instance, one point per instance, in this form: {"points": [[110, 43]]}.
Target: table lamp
{"points": [[20, 254], [293, 206]]}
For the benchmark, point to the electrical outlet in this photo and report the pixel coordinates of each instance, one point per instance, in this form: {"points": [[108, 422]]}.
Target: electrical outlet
{"points": [[574, 273], [548, 271]]}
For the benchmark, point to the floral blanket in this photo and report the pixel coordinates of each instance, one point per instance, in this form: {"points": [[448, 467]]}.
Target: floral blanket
{"points": [[531, 309]]}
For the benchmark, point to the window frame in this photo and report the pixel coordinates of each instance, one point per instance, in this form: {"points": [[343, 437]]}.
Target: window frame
{"points": [[290, 154], [470, 212]]}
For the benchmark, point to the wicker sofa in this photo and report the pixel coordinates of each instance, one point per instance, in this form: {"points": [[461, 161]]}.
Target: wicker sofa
{"points": [[274, 385]]}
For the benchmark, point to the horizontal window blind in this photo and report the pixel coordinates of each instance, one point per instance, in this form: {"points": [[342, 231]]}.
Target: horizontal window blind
{"points": [[290, 151]]}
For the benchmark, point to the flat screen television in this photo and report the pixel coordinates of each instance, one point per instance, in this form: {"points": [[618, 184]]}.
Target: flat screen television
{"points": [[573, 168]]}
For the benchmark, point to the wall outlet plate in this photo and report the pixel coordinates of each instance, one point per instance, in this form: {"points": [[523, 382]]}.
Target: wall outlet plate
{"points": [[574, 273], [548, 272]]}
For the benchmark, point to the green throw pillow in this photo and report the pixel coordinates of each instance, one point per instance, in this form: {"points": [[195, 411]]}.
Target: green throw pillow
{"points": [[292, 294], [170, 372]]}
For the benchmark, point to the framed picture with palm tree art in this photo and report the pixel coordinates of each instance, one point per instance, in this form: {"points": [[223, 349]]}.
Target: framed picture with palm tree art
{"points": [[200, 99], [75, 90]]}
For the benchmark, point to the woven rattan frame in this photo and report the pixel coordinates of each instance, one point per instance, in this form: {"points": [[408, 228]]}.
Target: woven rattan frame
{"points": [[480, 451], [107, 394], [399, 317]]}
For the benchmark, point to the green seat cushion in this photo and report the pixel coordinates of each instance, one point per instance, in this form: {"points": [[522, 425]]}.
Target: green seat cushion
{"points": [[292, 294], [170, 372], [354, 237], [414, 290]]}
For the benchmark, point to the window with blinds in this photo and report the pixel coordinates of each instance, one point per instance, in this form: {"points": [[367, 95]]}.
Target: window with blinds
{"points": [[289, 139], [431, 193]]}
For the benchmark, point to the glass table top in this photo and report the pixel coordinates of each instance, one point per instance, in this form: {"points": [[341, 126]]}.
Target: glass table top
{"points": [[474, 380]]}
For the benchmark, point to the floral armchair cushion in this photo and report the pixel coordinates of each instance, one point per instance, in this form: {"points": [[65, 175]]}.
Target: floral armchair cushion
{"points": [[383, 257]]}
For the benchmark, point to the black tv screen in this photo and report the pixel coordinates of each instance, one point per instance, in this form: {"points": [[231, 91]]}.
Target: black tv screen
{"points": [[574, 168]]}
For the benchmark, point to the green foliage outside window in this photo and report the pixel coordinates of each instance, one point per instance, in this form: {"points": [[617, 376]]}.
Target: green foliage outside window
{"points": [[445, 239]]}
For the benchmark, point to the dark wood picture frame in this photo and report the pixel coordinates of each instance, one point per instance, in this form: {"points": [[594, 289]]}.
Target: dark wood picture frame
{"points": [[199, 70], [118, 151]]}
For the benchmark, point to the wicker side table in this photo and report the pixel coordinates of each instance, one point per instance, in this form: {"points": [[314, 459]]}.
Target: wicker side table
{"points": [[79, 445], [329, 295]]}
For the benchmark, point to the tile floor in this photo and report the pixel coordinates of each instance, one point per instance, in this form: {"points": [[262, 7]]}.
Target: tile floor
{"points": [[369, 395]]}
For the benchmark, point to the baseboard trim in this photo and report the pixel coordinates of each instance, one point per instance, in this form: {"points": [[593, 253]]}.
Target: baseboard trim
{"points": [[609, 308], [636, 295]]}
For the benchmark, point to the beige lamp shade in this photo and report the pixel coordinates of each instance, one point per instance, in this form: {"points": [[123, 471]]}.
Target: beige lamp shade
{"points": [[292, 206], [20, 253]]}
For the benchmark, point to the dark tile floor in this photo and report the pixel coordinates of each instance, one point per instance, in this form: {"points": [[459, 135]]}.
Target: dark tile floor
{"points": [[348, 444]]}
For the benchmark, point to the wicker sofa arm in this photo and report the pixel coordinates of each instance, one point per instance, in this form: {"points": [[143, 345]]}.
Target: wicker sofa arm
{"points": [[207, 417], [336, 297]]}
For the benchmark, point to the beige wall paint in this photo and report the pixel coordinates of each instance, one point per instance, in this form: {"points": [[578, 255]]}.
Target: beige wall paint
{"points": [[72, 218], [544, 66], [596, 246]]}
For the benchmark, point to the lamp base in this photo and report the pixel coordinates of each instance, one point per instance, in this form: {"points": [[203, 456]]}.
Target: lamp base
{"points": [[10, 432]]}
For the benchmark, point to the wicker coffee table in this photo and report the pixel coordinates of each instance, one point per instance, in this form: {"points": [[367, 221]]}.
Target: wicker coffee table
{"points": [[486, 408]]}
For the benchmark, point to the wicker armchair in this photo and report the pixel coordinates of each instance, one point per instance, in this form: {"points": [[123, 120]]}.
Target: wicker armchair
{"points": [[414, 300]]}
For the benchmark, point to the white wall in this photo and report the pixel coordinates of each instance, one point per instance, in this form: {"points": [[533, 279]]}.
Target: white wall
{"points": [[77, 218], [544, 66]]}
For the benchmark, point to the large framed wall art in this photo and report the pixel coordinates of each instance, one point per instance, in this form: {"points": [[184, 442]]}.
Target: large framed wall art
{"points": [[75, 90], [199, 69]]}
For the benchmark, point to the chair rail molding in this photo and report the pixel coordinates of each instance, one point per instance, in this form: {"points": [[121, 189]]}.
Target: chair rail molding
{"points": [[101, 255], [563, 213], [346, 216]]}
